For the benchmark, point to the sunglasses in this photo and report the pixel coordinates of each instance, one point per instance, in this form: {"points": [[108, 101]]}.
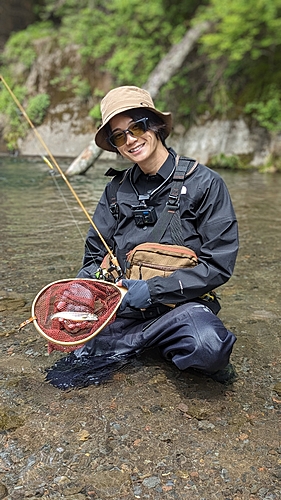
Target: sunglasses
{"points": [[136, 129]]}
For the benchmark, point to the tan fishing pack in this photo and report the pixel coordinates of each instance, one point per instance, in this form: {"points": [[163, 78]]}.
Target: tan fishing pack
{"points": [[154, 259]]}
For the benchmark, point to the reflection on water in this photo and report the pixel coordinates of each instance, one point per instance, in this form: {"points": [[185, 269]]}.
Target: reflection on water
{"points": [[43, 230], [42, 226]]}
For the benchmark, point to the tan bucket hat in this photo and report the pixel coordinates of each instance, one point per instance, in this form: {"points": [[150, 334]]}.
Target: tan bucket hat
{"points": [[122, 99]]}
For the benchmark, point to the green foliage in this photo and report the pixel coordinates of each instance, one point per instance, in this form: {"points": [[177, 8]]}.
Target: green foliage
{"points": [[20, 46], [227, 162], [267, 112], [272, 165], [81, 88], [16, 126], [128, 38], [65, 81], [244, 50], [37, 108], [58, 10], [236, 69], [242, 28], [181, 12], [62, 80], [95, 113]]}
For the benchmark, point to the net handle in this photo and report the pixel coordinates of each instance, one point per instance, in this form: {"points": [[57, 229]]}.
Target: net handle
{"points": [[33, 319]]}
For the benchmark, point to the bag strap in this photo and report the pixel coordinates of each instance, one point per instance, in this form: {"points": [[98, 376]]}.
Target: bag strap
{"points": [[170, 215], [118, 178]]}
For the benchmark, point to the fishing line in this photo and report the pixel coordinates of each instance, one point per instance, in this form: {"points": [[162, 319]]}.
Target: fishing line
{"points": [[51, 166], [71, 213], [68, 207]]}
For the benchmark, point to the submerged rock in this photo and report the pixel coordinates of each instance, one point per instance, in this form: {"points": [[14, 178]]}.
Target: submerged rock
{"points": [[9, 420], [3, 491], [11, 301]]}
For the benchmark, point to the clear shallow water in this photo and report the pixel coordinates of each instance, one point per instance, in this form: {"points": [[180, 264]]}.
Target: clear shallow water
{"points": [[153, 425], [42, 226], [43, 230]]}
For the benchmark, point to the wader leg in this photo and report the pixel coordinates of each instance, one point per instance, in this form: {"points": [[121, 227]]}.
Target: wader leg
{"points": [[193, 337], [190, 336]]}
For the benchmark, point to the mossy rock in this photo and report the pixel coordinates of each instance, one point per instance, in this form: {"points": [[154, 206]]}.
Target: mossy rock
{"points": [[9, 420], [11, 301]]}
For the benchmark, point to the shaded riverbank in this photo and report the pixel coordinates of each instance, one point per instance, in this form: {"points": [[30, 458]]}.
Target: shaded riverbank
{"points": [[153, 432]]}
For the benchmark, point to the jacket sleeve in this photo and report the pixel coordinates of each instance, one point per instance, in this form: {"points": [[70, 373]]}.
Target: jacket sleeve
{"points": [[94, 248], [216, 226]]}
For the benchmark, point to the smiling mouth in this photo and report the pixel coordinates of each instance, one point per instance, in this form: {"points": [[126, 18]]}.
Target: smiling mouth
{"points": [[136, 149]]}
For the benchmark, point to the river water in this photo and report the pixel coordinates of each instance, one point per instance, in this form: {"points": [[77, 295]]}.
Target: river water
{"points": [[42, 240]]}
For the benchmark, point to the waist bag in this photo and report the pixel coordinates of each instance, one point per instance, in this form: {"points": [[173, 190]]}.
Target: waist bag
{"points": [[152, 258], [155, 259]]}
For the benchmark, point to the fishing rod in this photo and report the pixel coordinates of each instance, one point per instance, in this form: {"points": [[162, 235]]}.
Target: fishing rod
{"points": [[42, 142]]}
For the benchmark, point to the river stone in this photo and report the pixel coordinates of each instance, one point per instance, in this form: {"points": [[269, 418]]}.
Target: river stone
{"points": [[264, 315], [277, 388], [3, 491], [151, 482], [11, 301], [9, 420], [108, 483]]}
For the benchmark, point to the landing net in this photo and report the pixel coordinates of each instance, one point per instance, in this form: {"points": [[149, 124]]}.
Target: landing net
{"points": [[71, 311]]}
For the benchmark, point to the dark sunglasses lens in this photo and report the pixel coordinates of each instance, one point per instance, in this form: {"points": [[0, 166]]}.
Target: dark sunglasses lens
{"points": [[118, 139], [136, 129]]}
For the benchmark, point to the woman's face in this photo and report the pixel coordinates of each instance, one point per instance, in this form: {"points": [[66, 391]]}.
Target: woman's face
{"points": [[147, 151]]}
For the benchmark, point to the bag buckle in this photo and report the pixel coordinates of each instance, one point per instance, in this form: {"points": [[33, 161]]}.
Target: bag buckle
{"points": [[173, 202]]}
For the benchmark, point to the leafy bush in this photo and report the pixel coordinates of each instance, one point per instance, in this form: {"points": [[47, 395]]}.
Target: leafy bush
{"points": [[267, 112], [20, 46], [243, 29], [227, 162], [244, 50], [62, 80], [128, 37], [37, 107], [95, 113], [16, 126], [81, 88]]}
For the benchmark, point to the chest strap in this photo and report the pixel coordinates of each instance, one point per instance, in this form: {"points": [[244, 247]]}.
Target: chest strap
{"points": [[170, 215]]}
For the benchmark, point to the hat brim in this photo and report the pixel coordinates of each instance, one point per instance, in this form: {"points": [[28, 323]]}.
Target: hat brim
{"points": [[101, 135]]}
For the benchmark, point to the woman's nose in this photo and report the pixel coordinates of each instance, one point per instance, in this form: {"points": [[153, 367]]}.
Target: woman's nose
{"points": [[130, 138]]}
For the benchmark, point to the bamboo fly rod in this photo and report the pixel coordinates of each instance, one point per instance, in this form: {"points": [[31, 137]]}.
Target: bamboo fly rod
{"points": [[54, 162]]}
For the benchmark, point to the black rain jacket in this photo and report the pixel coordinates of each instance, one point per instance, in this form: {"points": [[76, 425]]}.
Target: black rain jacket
{"points": [[208, 221]]}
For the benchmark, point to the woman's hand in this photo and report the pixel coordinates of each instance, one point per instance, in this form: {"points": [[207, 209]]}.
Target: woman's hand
{"points": [[137, 296]]}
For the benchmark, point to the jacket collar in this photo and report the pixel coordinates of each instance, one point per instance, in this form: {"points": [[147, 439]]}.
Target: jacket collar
{"points": [[163, 172]]}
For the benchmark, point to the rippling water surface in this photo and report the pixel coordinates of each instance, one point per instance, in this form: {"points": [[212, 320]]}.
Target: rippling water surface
{"points": [[43, 228], [153, 432]]}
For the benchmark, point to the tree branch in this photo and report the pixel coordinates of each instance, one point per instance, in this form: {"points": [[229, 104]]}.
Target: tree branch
{"points": [[172, 61]]}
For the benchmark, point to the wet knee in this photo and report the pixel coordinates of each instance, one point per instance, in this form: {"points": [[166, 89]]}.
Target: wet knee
{"points": [[213, 352]]}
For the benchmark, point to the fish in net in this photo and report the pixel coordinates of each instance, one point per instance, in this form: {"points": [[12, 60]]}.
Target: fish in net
{"points": [[72, 311]]}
